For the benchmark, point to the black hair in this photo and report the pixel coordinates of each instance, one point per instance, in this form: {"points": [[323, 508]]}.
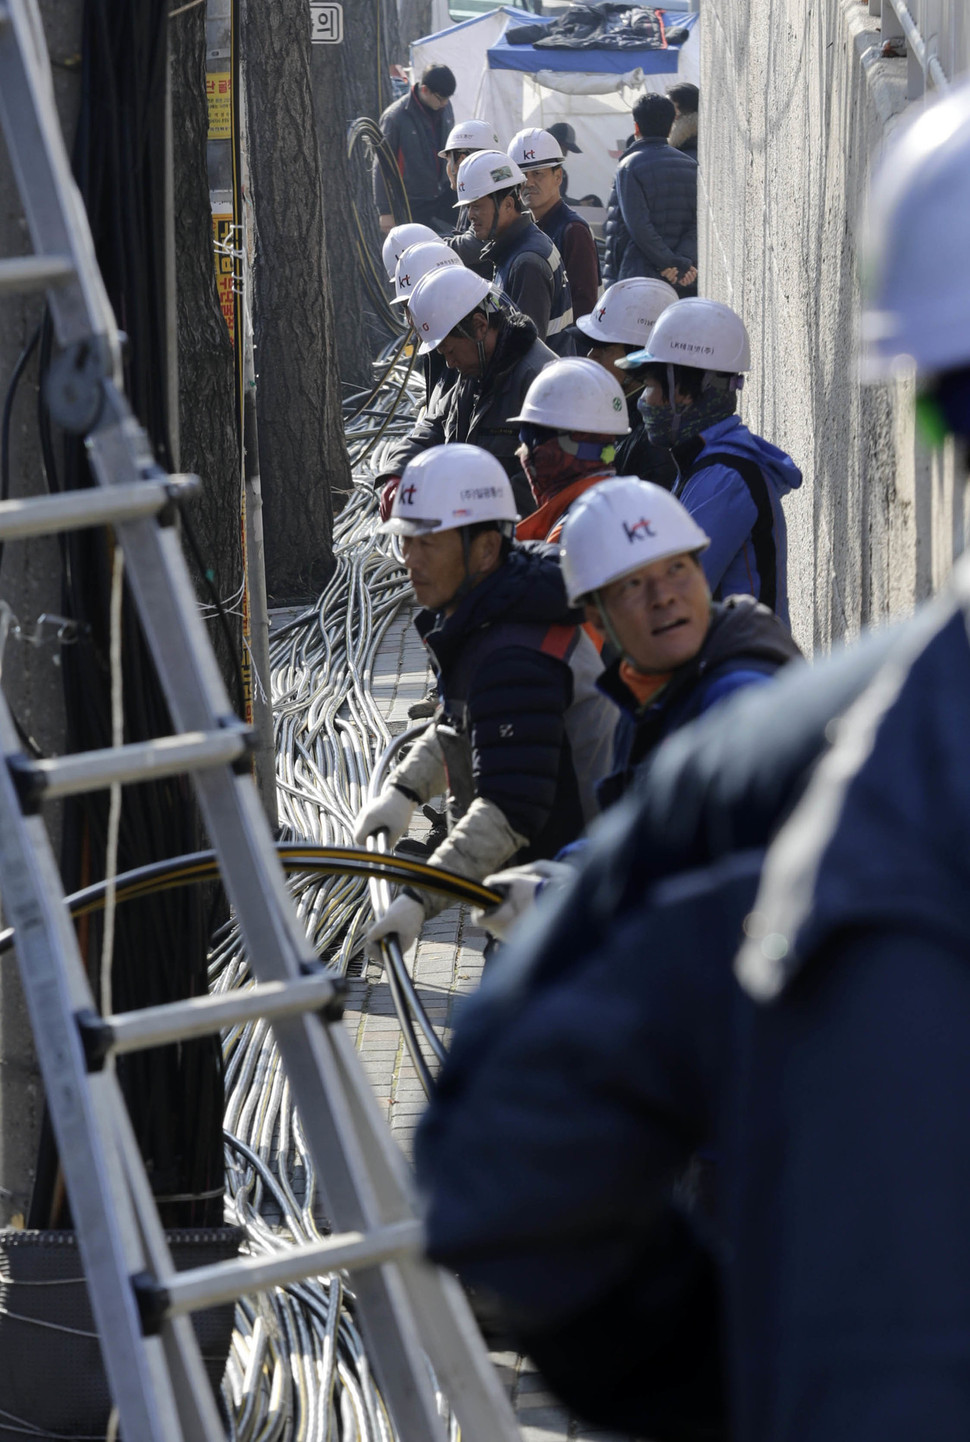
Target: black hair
{"points": [[653, 115], [689, 380], [440, 80], [479, 528], [499, 195], [685, 97]]}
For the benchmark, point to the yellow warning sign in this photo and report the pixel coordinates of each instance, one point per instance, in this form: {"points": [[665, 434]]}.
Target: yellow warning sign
{"points": [[223, 240], [218, 92]]}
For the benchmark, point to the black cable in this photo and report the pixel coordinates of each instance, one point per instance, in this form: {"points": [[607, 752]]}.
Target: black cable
{"points": [[224, 626], [8, 401]]}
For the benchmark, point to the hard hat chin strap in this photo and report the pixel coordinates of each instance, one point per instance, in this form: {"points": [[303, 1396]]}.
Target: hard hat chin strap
{"points": [[466, 331], [493, 231], [609, 628], [675, 415]]}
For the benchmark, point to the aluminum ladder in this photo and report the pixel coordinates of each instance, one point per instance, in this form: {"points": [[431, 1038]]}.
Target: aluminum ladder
{"points": [[409, 1311]]}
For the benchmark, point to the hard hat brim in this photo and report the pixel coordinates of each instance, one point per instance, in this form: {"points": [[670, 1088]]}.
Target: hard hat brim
{"points": [[408, 526], [583, 596], [636, 359]]}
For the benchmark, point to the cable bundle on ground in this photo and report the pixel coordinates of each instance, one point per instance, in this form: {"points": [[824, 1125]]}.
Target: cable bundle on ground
{"points": [[297, 1368]]}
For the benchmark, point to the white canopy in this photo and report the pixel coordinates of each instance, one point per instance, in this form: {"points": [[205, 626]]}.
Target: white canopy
{"points": [[595, 101]]}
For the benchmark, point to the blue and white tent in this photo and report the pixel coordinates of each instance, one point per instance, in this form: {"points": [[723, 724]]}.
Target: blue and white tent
{"points": [[518, 85]]}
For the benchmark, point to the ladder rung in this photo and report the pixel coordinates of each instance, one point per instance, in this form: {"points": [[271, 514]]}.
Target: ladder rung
{"points": [[100, 506], [191, 1291], [202, 1015], [35, 272], [38, 781]]}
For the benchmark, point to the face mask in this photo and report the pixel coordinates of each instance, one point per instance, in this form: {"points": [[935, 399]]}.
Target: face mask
{"points": [[667, 429], [550, 469], [660, 424]]}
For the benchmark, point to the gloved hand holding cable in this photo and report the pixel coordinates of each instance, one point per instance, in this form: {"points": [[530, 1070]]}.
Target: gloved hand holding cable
{"points": [[517, 720], [521, 886]]}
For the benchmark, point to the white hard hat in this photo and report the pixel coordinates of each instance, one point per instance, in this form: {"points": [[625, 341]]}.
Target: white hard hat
{"points": [[470, 135], [915, 257], [484, 173], [398, 240], [416, 262], [697, 332], [535, 150], [446, 487], [441, 299], [627, 312], [576, 394], [618, 526]]}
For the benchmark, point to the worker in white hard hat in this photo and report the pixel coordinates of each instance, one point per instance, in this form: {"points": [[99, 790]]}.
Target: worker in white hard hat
{"points": [[520, 731], [527, 267], [467, 138], [464, 139], [731, 480], [539, 156], [631, 555], [492, 355], [620, 323], [570, 421], [399, 239], [415, 263], [821, 824]]}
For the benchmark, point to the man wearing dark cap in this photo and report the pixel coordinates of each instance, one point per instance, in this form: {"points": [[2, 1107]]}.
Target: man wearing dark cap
{"points": [[416, 127], [566, 136]]}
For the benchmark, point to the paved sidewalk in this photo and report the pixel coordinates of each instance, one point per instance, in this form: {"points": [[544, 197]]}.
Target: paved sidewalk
{"points": [[447, 965]]}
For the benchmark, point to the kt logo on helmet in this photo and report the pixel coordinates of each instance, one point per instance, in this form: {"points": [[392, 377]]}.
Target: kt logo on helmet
{"points": [[639, 531], [529, 154], [601, 312], [407, 495]]}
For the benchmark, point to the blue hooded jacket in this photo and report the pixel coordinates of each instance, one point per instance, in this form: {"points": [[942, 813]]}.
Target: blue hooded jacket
{"points": [[742, 515]]}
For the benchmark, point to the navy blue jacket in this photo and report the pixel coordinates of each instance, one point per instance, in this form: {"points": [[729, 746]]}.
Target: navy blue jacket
{"points": [[744, 646], [507, 695], [651, 215], [741, 512], [861, 967], [530, 270], [593, 1061], [573, 239]]}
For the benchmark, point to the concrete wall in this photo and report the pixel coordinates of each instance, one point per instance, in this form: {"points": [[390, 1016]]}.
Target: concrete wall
{"points": [[795, 102]]}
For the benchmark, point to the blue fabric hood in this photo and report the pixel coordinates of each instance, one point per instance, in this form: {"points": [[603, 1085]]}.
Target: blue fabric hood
{"points": [[732, 436]]}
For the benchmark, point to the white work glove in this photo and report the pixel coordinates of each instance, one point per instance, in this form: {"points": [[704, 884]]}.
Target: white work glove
{"points": [[391, 811], [404, 917], [520, 885]]}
